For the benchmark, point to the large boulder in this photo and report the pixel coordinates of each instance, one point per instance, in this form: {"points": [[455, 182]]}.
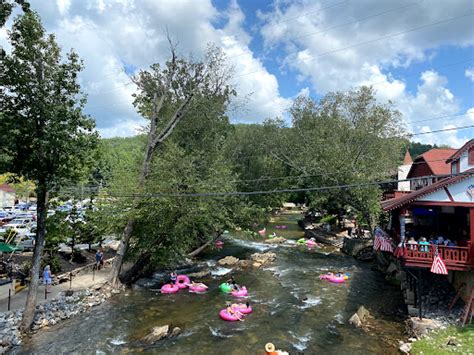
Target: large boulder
{"points": [[363, 313], [263, 258], [276, 240], [228, 261], [157, 333], [355, 320], [419, 327]]}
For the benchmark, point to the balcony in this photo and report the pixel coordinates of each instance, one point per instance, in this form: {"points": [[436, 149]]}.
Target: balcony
{"points": [[455, 258], [387, 195]]}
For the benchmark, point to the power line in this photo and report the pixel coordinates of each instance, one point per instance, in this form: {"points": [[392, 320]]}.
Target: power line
{"points": [[413, 29], [358, 20], [278, 191], [89, 188]]}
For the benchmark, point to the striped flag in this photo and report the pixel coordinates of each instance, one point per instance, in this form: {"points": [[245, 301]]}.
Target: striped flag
{"points": [[377, 243], [438, 266], [382, 241], [386, 245]]}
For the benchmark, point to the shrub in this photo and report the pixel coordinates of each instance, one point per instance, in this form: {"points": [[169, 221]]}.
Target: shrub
{"points": [[54, 262]]}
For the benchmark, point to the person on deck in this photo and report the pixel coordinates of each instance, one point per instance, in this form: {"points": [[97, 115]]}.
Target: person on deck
{"points": [[412, 244], [423, 245]]}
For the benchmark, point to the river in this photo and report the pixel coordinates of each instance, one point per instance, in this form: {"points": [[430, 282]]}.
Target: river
{"points": [[292, 309]]}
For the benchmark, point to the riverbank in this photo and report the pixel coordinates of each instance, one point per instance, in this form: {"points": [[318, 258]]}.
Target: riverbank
{"points": [[453, 339], [87, 291]]}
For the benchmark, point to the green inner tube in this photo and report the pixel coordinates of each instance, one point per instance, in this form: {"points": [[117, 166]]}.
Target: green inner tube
{"points": [[225, 287], [301, 241]]}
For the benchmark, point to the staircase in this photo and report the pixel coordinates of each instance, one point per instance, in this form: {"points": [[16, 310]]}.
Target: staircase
{"points": [[468, 311], [458, 295]]}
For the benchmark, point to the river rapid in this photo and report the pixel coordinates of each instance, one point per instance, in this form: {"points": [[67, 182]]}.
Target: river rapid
{"points": [[293, 309]]}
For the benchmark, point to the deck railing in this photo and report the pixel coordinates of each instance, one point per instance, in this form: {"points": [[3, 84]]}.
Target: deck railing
{"points": [[425, 254]]}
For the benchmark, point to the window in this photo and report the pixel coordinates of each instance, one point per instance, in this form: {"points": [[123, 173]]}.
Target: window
{"points": [[470, 154]]}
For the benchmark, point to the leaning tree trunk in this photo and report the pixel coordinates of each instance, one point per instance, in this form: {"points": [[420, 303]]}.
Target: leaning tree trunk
{"points": [[29, 313], [154, 141], [127, 233]]}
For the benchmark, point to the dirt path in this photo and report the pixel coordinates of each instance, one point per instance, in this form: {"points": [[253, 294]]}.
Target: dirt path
{"points": [[79, 282]]}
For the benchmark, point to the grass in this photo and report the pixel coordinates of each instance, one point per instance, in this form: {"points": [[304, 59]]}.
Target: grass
{"points": [[436, 342]]}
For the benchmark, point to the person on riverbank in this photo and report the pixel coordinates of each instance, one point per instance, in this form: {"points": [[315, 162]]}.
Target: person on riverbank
{"points": [[99, 259], [47, 278]]}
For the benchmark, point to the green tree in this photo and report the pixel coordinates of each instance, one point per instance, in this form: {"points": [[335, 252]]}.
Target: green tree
{"points": [[344, 138], [44, 134], [166, 95]]}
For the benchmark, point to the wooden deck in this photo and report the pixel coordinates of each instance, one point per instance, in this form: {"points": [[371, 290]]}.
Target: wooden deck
{"points": [[455, 258]]}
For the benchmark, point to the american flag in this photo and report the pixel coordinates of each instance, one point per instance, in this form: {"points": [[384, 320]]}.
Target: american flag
{"points": [[438, 266], [382, 241]]}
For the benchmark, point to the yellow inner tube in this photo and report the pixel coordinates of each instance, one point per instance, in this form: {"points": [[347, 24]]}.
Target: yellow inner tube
{"points": [[269, 347]]}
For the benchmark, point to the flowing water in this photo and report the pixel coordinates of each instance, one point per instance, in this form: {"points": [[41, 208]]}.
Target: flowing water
{"points": [[292, 309]]}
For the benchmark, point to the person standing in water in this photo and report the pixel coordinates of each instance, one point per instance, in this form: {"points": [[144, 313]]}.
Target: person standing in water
{"points": [[173, 278]]}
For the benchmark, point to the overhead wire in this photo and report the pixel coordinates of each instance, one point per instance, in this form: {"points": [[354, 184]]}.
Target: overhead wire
{"points": [[278, 191]]}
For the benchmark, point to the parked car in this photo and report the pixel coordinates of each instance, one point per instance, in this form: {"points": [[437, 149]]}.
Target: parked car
{"points": [[19, 225], [5, 217], [26, 243]]}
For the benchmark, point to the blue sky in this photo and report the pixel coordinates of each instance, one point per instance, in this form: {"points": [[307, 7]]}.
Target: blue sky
{"points": [[418, 54]]}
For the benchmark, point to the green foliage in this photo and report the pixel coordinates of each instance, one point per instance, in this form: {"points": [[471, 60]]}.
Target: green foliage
{"points": [[44, 132], [343, 139], [53, 261], [7, 7], [57, 232], [416, 149], [437, 342], [329, 219]]}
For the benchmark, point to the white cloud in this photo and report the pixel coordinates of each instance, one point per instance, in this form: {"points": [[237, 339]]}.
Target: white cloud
{"points": [[469, 73], [349, 44], [111, 34]]}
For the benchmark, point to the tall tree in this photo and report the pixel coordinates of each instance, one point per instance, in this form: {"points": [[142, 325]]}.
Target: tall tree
{"points": [[344, 138], [165, 97], [45, 135]]}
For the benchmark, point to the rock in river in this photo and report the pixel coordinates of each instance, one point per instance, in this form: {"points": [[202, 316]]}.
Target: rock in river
{"points": [[157, 333], [276, 240], [263, 258], [228, 261]]}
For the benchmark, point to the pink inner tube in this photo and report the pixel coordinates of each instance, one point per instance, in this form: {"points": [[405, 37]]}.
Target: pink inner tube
{"points": [[242, 308], [229, 317], [311, 243], [219, 243], [197, 289], [242, 293], [168, 288], [182, 281], [333, 278]]}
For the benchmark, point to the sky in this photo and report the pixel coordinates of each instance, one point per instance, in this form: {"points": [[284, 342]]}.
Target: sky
{"points": [[419, 54]]}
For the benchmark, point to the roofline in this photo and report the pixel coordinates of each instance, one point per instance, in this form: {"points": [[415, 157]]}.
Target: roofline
{"points": [[458, 153], [389, 205]]}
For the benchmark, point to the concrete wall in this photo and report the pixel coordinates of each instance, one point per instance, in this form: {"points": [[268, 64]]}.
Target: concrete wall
{"points": [[7, 199], [402, 174]]}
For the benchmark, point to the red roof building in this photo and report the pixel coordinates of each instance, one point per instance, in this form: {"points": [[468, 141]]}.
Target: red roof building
{"points": [[443, 207], [429, 167]]}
